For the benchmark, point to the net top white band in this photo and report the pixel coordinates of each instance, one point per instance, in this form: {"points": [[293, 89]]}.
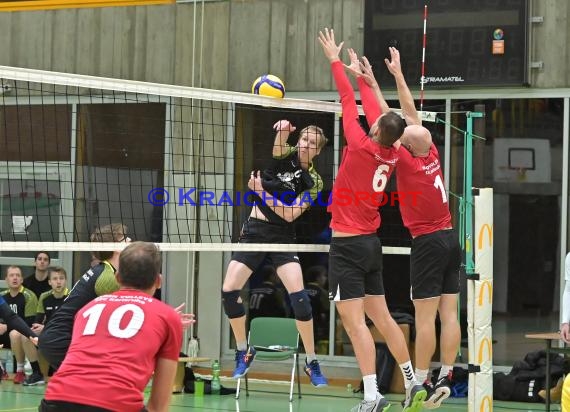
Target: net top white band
{"points": [[180, 247], [157, 89]]}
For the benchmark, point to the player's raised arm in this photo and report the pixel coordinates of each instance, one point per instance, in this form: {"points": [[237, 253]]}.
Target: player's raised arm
{"points": [[283, 129], [354, 133], [404, 95], [368, 76]]}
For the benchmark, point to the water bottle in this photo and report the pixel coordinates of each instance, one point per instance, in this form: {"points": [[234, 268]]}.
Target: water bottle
{"points": [[10, 363], [216, 385]]}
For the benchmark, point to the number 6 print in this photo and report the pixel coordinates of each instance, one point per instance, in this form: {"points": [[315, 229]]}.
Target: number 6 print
{"points": [[380, 179]]}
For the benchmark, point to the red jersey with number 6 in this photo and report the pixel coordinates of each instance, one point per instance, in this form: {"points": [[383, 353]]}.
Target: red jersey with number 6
{"points": [[365, 168], [116, 342], [425, 208]]}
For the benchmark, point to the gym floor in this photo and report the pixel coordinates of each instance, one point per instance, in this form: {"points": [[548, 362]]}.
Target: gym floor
{"points": [[263, 397]]}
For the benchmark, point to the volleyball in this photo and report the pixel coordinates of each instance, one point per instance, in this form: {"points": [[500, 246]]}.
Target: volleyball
{"points": [[268, 85]]}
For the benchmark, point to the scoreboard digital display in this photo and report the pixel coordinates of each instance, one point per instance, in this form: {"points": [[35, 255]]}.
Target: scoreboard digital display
{"points": [[469, 42]]}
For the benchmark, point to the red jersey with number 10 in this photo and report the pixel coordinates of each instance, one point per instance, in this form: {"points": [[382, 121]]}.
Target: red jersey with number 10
{"points": [[116, 342], [365, 168], [424, 208]]}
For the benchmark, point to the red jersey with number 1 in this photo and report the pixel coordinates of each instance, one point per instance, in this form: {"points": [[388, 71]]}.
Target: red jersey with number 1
{"points": [[423, 200], [116, 342], [365, 168]]}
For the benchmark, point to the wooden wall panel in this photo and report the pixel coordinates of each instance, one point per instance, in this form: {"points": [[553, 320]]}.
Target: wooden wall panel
{"points": [[6, 20], [91, 37], [65, 35], [297, 48], [248, 42], [242, 38], [278, 41], [216, 64], [160, 44], [35, 133]]}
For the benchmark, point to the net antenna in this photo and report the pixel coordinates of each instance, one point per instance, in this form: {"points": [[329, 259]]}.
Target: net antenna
{"points": [[423, 77]]}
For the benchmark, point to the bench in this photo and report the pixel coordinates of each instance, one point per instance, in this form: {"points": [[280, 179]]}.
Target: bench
{"points": [[548, 338], [179, 379]]}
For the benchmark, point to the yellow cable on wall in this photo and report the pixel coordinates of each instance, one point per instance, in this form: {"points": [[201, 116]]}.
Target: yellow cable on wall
{"points": [[68, 4]]}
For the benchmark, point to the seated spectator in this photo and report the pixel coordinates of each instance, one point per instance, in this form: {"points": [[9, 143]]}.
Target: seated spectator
{"points": [[38, 281], [267, 300], [147, 340], [51, 300], [8, 321], [317, 289], [24, 303]]}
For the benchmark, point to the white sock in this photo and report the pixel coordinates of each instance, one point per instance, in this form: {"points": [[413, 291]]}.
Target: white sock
{"points": [[370, 387], [241, 345], [311, 357], [20, 367], [444, 370], [408, 373], [421, 375]]}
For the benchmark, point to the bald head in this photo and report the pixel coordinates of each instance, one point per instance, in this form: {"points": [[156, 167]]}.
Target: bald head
{"points": [[417, 139]]}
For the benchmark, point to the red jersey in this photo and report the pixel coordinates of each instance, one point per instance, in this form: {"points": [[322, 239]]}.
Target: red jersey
{"points": [[365, 168], [423, 200], [116, 342]]}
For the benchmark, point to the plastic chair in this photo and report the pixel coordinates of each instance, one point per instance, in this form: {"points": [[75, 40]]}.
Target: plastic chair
{"points": [[275, 339]]}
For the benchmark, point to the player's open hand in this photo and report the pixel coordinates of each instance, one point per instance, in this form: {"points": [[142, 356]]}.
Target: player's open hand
{"points": [[284, 126], [330, 48], [354, 66], [254, 182], [186, 318], [367, 73], [394, 63]]}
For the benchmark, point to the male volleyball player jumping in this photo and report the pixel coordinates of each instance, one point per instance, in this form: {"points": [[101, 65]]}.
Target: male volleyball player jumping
{"points": [[355, 257], [270, 221], [435, 254]]}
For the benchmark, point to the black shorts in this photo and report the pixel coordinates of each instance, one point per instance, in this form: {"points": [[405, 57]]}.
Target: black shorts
{"points": [[62, 406], [260, 231], [435, 260], [355, 267], [5, 340]]}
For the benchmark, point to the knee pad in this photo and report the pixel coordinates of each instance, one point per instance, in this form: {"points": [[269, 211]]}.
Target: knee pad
{"points": [[232, 307], [301, 304]]}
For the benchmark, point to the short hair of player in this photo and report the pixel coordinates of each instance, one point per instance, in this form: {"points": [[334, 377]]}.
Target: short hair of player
{"points": [[322, 140], [115, 232], [139, 265], [13, 267], [56, 269], [391, 127], [42, 253]]}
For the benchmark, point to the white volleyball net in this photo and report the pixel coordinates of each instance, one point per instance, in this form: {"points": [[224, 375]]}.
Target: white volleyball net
{"points": [[170, 162]]}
